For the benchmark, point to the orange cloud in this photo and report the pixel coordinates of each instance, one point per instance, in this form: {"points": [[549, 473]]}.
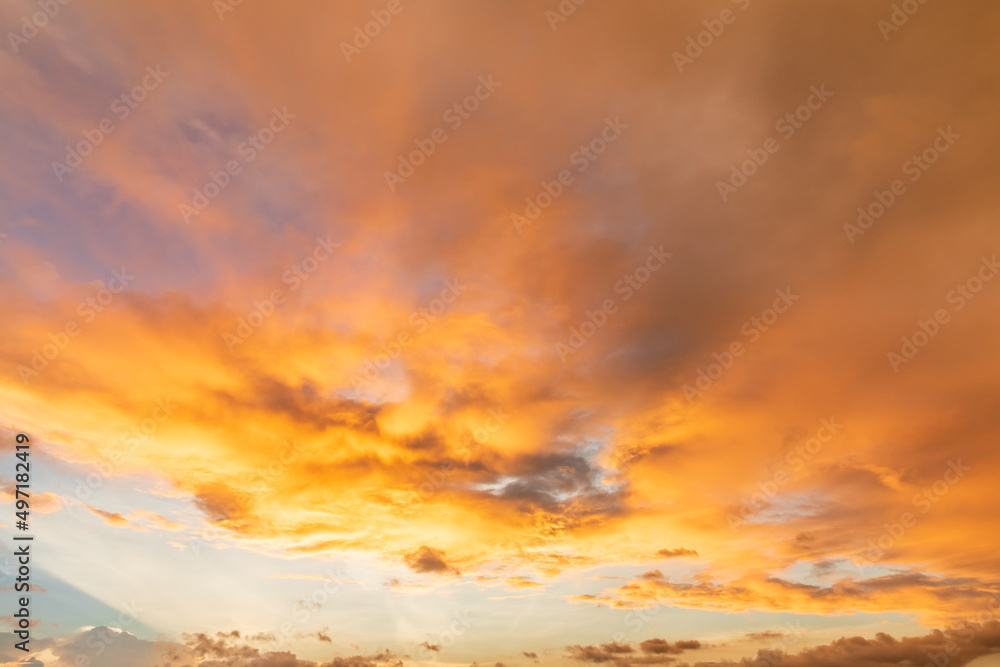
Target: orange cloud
{"points": [[372, 406], [940, 600]]}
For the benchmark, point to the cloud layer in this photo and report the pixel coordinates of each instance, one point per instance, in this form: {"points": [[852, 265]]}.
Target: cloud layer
{"points": [[556, 342]]}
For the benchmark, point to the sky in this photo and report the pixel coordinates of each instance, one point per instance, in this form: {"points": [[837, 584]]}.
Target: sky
{"points": [[372, 334]]}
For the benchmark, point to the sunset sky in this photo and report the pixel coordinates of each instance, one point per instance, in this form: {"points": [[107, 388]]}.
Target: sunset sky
{"points": [[408, 332]]}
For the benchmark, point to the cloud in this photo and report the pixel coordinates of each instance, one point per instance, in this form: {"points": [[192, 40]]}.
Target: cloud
{"points": [[659, 646], [475, 434], [111, 518], [936, 597], [426, 559], [224, 650], [112, 647], [157, 520], [953, 647], [956, 645], [564, 484], [609, 652], [654, 652], [521, 582], [139, 520], [41, 503], [11, 655]]}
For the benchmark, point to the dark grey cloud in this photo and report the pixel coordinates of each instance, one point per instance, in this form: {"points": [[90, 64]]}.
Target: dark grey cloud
{"points": [[426, 559]]}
